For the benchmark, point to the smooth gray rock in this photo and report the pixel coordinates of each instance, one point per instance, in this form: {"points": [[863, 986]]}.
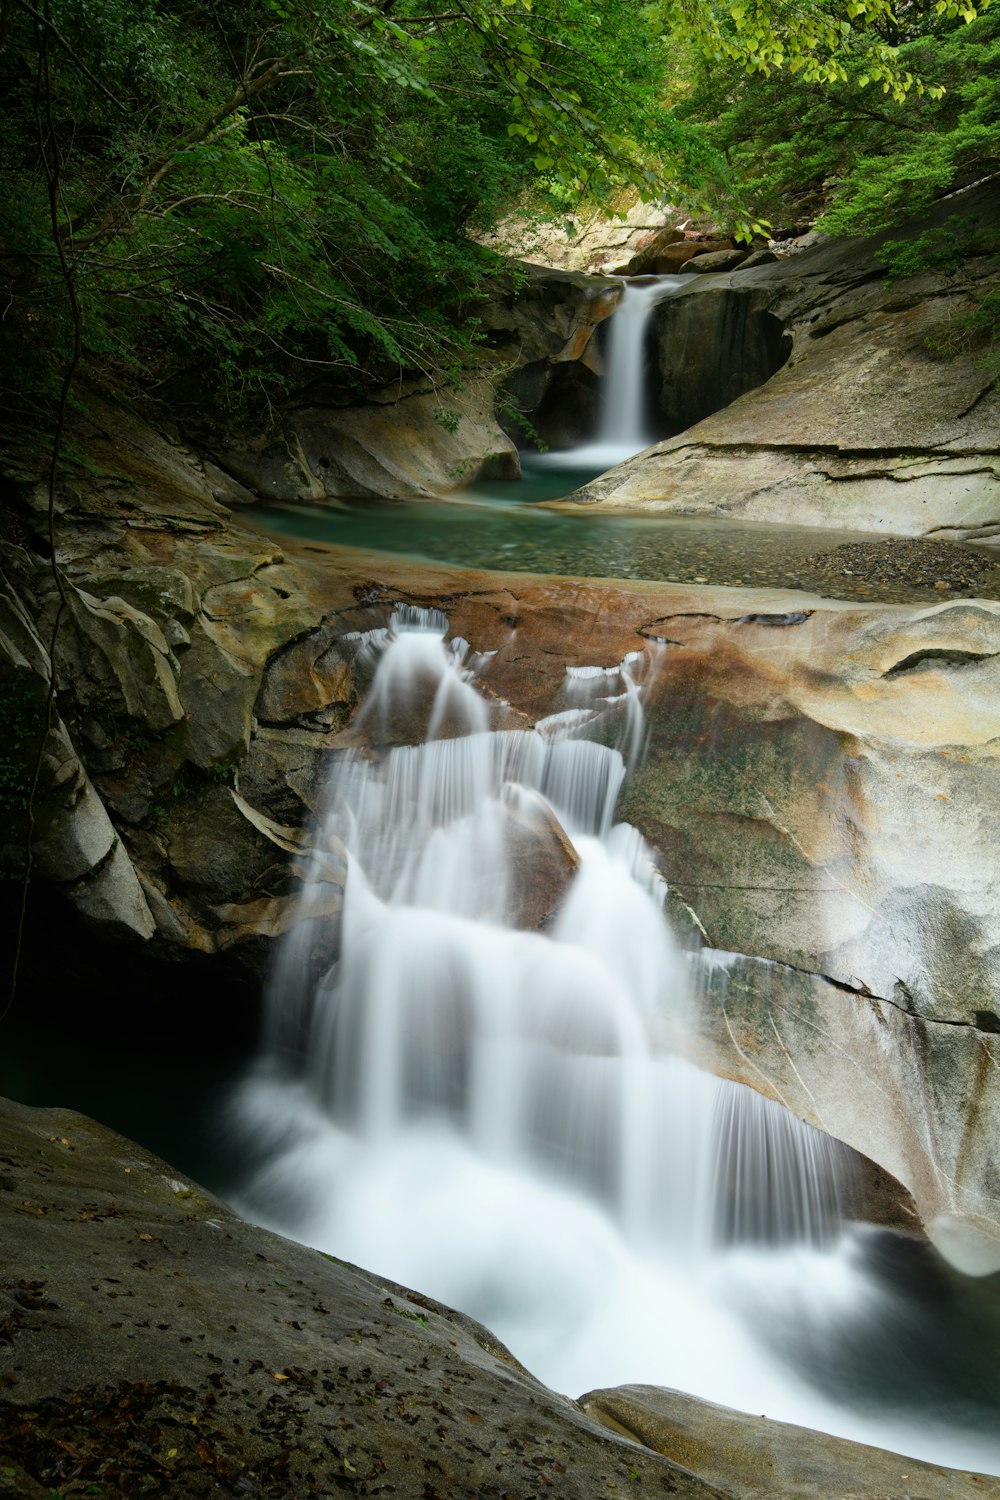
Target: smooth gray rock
{"points": [[758, 1459], [156, 1332]]}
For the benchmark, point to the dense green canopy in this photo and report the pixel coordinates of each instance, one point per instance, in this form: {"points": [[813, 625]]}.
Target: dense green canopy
{"points": [[248, 194]]}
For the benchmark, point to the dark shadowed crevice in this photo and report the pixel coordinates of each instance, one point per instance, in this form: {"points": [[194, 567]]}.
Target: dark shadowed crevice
{"points": [[712, 348]]}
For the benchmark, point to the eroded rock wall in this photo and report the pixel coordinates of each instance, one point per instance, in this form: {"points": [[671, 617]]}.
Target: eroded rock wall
{"points": [[884, 418]]}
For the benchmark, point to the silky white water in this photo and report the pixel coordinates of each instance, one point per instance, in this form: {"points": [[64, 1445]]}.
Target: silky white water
{"points": [[622, 424], [483, 1094]]}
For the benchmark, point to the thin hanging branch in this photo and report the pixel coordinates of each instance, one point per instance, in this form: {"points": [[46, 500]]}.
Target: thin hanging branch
{"points": [[50, 156]]}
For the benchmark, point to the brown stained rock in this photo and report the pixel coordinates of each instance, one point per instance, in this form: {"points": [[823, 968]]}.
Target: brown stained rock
{"points": [[648, 249], [307, 677], [760, 1459], [669, 260], [543, 861], [163, 1340]]}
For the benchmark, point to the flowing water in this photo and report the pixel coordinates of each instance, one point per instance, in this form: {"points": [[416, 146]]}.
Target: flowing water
{"points": [[498, 525], [472, 1079], [623, 426]]}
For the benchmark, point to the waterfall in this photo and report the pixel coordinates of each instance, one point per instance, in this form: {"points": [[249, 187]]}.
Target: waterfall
{"points": [[544, 1051], [622, 426], [470, 1079], [472, 1086]]}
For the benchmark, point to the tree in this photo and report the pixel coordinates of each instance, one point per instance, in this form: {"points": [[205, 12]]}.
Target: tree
{"points": [[858, 158], [253, 194]]}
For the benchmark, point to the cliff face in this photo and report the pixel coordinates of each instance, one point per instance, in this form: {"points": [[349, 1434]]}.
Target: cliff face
{"points": [[882, 416]]}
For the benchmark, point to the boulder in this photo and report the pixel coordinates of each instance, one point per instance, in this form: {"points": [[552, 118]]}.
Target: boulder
{"points": [[759, 1459], [543, 861], [648, 251], [718, 260], [163, 1336], [759, 258]]}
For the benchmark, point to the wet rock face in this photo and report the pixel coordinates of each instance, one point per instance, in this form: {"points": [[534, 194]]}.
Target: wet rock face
{"points": [[711, 350], [556, 404]]}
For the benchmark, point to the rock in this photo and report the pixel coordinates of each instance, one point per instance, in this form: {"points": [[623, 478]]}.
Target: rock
{"points": [[543, 860], [112, 897], [165, 594], [650, 249], [264, 920], [587, 241], [210, 849], [758, 1459], [718, 260], [712, 349], [807, 241], [74, 843], [884, 1081], [547, 316], [218, 695], [306, 678], [115, 662], [759, 258], [412, 442], [865, 426], [265, 1364], [545, 329], [671, 259]]}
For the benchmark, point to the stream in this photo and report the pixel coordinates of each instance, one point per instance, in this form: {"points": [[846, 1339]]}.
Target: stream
{"points": [[499, 1110], [503, 1116]]}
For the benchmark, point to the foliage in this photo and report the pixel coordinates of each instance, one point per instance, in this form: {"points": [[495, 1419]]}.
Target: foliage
{"points": [[251, 195], [858, 159]]}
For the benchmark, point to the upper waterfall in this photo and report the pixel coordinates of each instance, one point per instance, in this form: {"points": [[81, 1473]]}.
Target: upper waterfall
{"points": [[623, 426]]}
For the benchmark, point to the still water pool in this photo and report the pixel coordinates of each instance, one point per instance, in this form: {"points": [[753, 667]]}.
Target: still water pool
{"points": [[503, 526]]}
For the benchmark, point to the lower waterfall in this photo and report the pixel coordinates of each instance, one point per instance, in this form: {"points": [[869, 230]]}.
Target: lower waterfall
{"points": [[473, 1078]]}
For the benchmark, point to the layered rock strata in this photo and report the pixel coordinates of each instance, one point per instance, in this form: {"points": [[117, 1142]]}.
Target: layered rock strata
{"points": [[884, 417]]}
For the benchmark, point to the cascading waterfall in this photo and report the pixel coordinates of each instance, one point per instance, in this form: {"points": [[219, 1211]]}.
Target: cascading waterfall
{"points": [[622, 424], [480, 1095]]}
